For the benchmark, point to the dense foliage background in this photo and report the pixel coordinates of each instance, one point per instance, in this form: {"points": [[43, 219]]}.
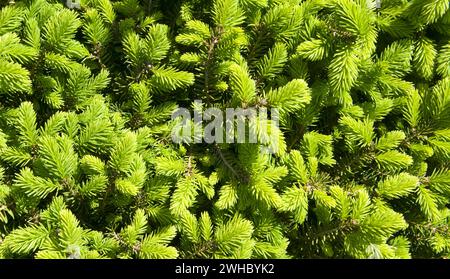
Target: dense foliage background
{"points": [[89, 169]]}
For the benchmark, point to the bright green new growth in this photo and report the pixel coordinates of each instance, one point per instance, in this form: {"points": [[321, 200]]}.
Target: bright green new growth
{"points": [[360, 161]]}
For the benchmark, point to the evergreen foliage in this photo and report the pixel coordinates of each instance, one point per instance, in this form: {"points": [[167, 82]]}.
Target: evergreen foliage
{"points": [[361, 161]]}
